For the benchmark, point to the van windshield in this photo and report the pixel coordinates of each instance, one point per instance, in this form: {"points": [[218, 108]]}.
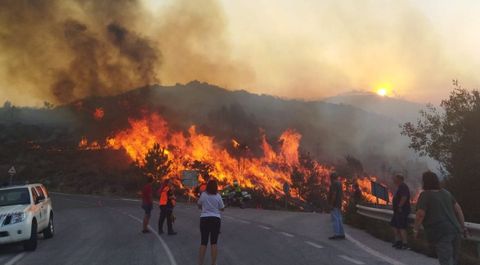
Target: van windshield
{"points": [[14, 197]]}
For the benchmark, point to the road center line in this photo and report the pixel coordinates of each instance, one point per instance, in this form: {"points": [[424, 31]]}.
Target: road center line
{"points": [[286, 234], [130, 200], [243, 221], [164, 245], [264, 227], [352, 260], [315, 245], [15, 259]]}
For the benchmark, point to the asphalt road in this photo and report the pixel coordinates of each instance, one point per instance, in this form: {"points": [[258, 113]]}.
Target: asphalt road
{"points": [[98, 230]]}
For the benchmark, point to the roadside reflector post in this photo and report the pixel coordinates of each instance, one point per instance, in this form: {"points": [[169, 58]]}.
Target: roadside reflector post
{"points": [[12, 172]]}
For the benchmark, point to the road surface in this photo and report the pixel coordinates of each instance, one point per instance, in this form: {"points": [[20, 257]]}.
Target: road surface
{"points": [[98, 230]]}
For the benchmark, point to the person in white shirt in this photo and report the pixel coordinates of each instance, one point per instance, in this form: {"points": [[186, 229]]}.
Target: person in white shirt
{"points": [[211, 204]]}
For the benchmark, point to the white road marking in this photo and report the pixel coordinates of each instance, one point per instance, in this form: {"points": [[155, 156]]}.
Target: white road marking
{"points": [[373, 252], [15, 259], [243, 221], [80, 201], [286, 234], [264, 227], [130, 200], [315, 245], [164, 245], [352, 260]]}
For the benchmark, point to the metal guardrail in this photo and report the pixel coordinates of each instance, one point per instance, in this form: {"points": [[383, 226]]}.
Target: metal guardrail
{"points": [[386, 215]]}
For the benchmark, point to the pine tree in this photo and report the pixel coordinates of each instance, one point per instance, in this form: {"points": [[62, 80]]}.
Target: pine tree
{"points": [[157, 165]]}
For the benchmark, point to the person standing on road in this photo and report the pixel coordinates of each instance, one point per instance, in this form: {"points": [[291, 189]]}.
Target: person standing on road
{"points": [[335, 198], [442, 218], [401, 211], [147, 203], [167, 203], [211, 204]]}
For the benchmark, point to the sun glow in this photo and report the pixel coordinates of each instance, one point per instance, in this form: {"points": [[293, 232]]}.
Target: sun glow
{"points": [[382, 92]]}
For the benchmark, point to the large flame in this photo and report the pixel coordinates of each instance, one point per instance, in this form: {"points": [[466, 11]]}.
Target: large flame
{"points": [[268, 172]]}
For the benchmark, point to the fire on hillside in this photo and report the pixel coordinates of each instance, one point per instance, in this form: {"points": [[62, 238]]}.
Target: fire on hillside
{"points": [[267, 173]]}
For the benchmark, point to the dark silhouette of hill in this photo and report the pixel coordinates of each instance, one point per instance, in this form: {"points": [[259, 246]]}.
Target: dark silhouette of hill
{"points": [[396, 109], [329, 131]]}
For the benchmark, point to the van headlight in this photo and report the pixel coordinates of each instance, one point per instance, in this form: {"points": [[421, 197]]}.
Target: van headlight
{"points": [[17, 217]]}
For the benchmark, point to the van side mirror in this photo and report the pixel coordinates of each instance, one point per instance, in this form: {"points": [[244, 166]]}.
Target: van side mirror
{"points": [[39, 199]]}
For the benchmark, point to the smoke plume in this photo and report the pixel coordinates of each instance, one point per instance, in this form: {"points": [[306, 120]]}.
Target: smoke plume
{"points": [[61, 51]]}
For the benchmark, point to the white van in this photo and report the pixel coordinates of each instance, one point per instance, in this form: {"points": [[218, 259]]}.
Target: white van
{"points": [[25, 211]]}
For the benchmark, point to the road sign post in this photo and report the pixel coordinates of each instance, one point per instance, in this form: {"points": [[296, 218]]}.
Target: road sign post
{"points": [[12, 172], [286, 190], [190, 179], [380, 192]]}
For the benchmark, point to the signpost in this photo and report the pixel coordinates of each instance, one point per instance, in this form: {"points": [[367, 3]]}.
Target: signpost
{"points": [[12, 172], [286, 190], [190, 179], [380, 191]]}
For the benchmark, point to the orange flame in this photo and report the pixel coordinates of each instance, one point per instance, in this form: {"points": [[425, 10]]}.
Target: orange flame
{"points": [[365, 185], [85, 145], [268, 173], [98, 114], [235, 144]]}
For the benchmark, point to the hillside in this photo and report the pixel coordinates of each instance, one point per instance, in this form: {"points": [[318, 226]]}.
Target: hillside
{"points": [[394, 108], [329, 131]]}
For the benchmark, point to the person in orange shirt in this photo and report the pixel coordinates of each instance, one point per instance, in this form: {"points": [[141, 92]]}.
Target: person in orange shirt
{"points": [[167, 203]]}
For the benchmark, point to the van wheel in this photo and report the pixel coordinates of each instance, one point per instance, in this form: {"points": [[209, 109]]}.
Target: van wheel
{"points": [[50, 230], [31, 244]]}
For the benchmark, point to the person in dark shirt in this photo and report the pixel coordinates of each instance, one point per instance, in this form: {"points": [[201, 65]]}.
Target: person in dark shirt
{"points": [[401, 211], [442, 218], [147, 203], [335, 198]]}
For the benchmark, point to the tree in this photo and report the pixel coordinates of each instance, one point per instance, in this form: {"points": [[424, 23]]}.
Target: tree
{"points": [[309, 182], [157, 165], [299, 182], [203, 169], [351, 167], [48, 105], [7, 105], [452, 137]]}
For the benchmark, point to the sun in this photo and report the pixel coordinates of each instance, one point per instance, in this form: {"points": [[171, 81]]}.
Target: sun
{"points": [[382, 92]]}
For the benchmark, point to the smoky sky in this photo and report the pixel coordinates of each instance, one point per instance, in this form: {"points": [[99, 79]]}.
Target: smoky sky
{"points": [[60, 51]]}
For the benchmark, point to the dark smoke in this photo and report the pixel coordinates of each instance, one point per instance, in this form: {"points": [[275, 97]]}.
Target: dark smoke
{"points": [[93, 73], [64, 50], [76, 48]]}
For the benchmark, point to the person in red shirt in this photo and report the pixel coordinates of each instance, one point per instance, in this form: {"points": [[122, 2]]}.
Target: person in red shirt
{"points": [[147, 203]]}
